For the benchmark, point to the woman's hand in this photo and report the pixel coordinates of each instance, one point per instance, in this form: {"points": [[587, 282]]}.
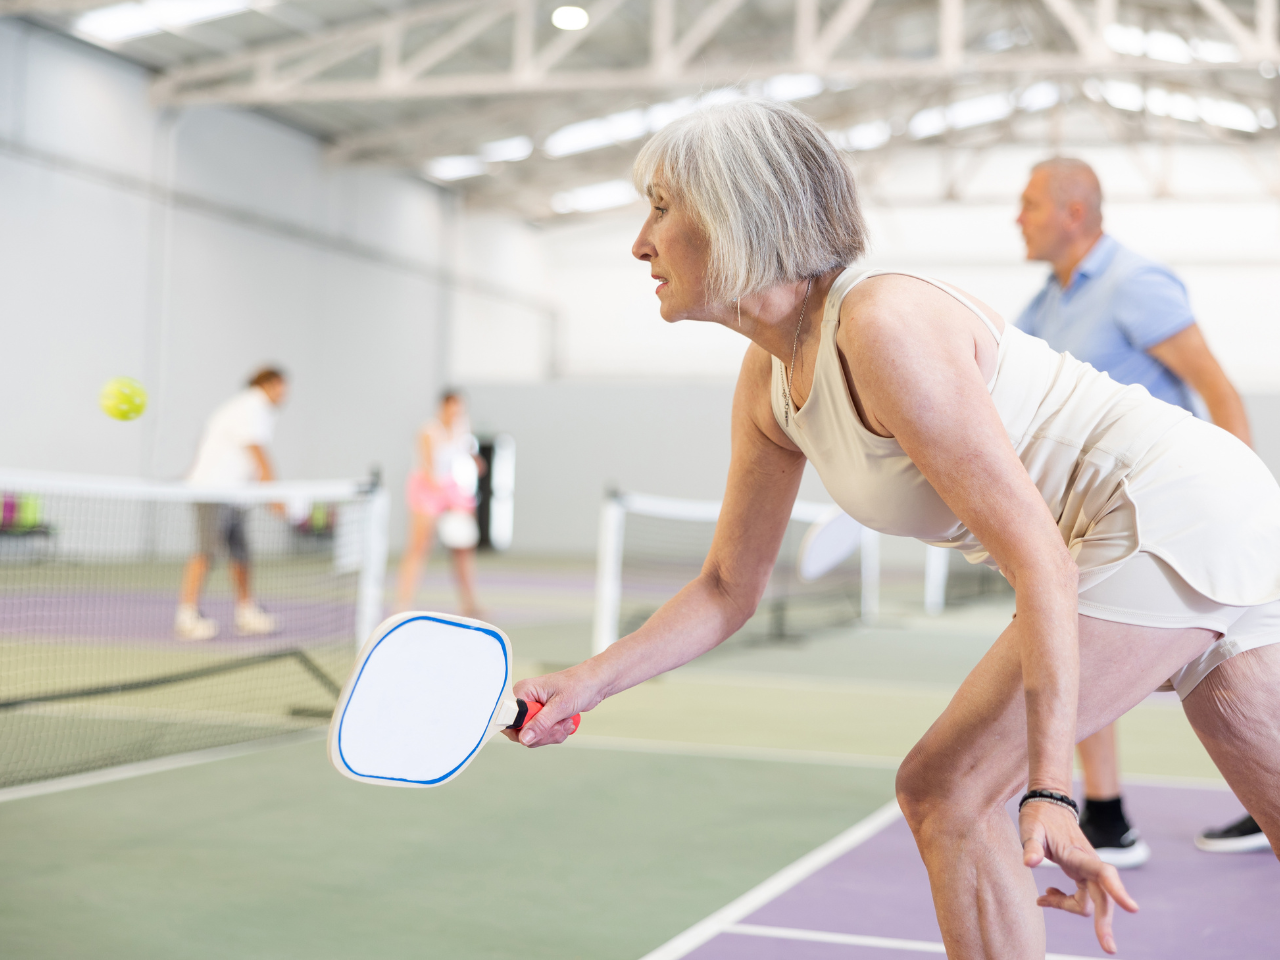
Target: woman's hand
{"points": [[562, 695], [1050, 832]]}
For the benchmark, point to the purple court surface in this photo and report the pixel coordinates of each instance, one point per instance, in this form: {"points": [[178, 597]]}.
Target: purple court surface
{"points": [[148, 617], [871, 902]]}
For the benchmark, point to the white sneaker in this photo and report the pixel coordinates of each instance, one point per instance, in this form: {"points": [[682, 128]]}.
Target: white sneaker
{"points": [[189, 624], [252, 620]]}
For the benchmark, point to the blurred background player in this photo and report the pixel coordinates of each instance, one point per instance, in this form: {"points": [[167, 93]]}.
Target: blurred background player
{"points": [[442, 491], [232, 451], [1130, 317]]}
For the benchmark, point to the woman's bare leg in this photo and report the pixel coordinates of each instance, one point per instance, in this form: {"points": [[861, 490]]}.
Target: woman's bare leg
{"points": [[1101, 766], [464, 570], [955, 782], [1235, 711], [416, 551]]}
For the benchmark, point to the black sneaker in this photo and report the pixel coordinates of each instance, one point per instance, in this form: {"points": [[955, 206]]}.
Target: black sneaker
{"points": [[1243, 836], [1122, 847]]}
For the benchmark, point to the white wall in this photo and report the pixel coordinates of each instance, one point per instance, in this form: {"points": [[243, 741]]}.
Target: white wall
{"points": [[187, 249]]}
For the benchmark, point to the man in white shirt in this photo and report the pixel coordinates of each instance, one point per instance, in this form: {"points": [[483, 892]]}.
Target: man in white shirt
{"points": [[232, 451]]}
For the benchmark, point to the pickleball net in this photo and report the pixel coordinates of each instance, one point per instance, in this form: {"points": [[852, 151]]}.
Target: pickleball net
{"points": [[92, 674], [649, 547]]}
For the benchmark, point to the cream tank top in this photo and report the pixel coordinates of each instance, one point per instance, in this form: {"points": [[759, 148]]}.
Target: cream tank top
{"points": [[1119, 470]]}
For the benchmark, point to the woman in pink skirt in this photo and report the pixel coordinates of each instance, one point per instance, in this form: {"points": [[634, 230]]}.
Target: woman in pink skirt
{"points": [[441, 489]]}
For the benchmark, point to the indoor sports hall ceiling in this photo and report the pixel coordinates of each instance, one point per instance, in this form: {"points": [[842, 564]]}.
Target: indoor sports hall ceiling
{"points": [[524, 105]]}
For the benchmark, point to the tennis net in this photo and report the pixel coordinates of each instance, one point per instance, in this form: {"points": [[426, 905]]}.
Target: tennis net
{"points": [[92, 673], [650, 547]]}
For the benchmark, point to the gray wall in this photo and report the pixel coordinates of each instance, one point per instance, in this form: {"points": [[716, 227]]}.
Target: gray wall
{"points": [[184, 249]]}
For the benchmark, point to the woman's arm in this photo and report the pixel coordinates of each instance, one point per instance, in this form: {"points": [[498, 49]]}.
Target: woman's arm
{"points": [[763, 479], [911, 352], [426, 458]]}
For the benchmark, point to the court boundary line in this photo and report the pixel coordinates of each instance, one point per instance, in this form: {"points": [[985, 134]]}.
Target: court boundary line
{"points": [[832, 758], [717, 923], [726, 751], [856, 940], [176, 761]]}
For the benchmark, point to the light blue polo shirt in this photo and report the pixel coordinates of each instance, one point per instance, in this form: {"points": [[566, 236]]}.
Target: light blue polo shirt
{"points": [[1116, 307]]}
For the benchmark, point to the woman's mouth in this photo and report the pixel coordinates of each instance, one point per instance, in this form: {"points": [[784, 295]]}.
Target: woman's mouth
{"points": [[662, 282]]}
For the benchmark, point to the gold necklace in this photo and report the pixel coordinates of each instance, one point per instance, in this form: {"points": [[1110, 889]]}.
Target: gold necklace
{"points": [[795, 342]]}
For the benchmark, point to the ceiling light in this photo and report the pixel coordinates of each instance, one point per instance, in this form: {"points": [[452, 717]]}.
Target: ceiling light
{"points": [[1214, 51], [1123, 95], [506, 151], [1266, 118], [929, 122], [570, 18], [863, 136], [793, 86], [129, 21], [979, 110], [1227, 113], [118, 23], [453, 168], [1168, 47], [1177, 105], [596, 196], [1039, 96], [1128, 40]]}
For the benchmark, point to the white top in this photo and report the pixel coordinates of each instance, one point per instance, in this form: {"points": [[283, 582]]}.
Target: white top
{"points": [[1119, 470], [451, 452], [247, 419]]}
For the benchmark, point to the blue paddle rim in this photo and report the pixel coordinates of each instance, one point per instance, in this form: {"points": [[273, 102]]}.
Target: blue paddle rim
{"points": [[506, 667]]}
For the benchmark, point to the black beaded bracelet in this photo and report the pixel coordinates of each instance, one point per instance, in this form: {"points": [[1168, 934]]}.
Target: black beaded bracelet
{"points": [[1048, 796]]}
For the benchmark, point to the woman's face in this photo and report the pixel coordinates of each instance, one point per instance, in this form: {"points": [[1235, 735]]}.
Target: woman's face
{"points": [[677, 253]]}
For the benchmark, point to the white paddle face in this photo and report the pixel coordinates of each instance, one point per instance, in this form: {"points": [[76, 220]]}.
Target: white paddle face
{"points": [[826, 544], [421, 701]]}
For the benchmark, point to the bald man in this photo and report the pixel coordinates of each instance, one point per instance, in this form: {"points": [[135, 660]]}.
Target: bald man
{"points": [[1127, 316]]}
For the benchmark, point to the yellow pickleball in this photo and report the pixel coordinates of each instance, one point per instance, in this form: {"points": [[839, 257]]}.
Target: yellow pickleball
{"points": [[123, 398]]}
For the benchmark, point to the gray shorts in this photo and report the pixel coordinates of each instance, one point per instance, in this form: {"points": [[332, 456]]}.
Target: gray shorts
{"points": [[219, 526]]}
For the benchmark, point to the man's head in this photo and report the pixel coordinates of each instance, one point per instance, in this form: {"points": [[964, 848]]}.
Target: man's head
{"points": [[272, 382], [1061, 209]]}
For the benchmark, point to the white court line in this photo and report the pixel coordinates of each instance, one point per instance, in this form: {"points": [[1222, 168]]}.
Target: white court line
{"points": [[855, 940], [177, 761], [726, 751], [727, 916]]}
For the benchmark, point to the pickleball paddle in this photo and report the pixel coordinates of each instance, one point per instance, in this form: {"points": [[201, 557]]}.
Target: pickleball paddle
{"points": [[426, 692]]}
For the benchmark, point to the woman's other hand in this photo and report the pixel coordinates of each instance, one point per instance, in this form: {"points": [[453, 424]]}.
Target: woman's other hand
{"points": [[562, 695], [1051, 832]]}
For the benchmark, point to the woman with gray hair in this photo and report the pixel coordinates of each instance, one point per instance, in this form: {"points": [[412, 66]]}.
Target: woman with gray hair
{"points": [[1140, 542]]}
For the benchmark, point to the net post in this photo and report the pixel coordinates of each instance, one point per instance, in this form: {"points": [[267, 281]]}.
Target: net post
{"points": [[869, 558], [936, 562], [613, 519], [374, 568]]}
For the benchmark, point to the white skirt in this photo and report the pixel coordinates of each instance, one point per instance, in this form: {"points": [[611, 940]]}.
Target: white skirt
{"points": [[1147, 592]]}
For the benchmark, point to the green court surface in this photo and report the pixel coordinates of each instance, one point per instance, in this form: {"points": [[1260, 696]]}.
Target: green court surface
{"points": [[675, 798], [532, 854]]}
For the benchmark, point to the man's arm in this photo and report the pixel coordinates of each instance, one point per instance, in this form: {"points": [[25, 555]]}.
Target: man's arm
{"points": [[265, 473], [1189, 357]]}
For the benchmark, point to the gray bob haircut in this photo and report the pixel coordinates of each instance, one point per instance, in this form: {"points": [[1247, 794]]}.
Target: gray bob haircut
{"points": [[768, 188]]}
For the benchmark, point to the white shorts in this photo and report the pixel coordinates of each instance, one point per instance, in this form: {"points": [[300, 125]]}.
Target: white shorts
{"points": [[1147, 592]]}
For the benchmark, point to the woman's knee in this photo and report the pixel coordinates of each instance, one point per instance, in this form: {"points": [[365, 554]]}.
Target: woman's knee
{"points": [[934, 792]]}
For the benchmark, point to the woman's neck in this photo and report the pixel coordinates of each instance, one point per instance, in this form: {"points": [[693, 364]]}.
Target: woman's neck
{"points": [[772, 318]]}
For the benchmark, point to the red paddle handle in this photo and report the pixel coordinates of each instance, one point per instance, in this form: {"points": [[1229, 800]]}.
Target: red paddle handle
{"points": [[529, 709]]}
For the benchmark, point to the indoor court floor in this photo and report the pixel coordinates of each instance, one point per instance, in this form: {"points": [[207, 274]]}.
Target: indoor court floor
{"points": [[675, 799]]}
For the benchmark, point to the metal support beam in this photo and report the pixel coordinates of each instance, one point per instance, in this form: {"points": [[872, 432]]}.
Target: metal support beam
{"points": [[1266, 15], [296, 71], [951, 31], [1086, 42], [1240, 35], [842, 23]]}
